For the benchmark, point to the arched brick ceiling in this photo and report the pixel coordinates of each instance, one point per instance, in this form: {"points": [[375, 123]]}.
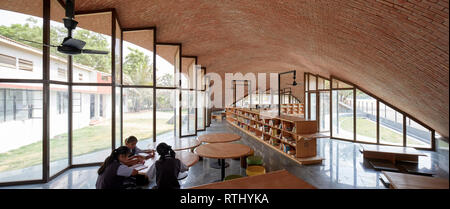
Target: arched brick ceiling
{"points": [[395, 49]]}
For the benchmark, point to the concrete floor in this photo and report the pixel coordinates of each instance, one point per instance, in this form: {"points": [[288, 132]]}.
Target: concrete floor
{"points": [[343, 167]]}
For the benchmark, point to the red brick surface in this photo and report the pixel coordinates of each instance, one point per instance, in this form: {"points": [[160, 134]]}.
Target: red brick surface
{"points": [[395, 49]]}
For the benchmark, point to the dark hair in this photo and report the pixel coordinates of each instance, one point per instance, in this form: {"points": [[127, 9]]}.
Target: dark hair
{"points": [[123, 150], [164, 150], [131, 139]]}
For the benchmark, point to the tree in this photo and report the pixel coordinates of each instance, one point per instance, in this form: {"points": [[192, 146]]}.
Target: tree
{"points": [[137, 68], [34, 32]]}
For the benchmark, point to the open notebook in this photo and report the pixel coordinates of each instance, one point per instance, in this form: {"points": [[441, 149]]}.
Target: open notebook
{"points": [[139, 167]]}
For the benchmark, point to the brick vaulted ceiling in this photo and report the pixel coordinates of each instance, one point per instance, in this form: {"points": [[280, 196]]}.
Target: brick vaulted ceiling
{"points": [[395, 49]]}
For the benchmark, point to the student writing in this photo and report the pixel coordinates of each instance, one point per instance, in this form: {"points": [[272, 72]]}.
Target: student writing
{"points": [[114, 171]]}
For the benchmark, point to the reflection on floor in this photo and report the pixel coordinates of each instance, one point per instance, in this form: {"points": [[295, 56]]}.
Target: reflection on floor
{"points": [[343, 166]]}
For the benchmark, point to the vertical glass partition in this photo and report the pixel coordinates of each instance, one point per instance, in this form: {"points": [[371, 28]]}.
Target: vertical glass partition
{"points": [[137, 78], [189, 96]]}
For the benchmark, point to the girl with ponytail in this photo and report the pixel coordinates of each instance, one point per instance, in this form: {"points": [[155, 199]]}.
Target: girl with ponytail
{"points": [[114, 171], [166, 168]]}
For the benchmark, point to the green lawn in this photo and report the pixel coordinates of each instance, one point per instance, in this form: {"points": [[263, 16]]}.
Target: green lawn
{"points": [[85, 140], [368, 128]]}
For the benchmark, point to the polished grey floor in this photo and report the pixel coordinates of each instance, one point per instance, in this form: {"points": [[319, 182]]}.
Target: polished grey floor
{"points": [[343, 167]]}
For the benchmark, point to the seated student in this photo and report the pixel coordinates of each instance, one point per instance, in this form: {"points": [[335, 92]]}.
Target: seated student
{"points": [[130, 142], [114, 172], [166, 169]]}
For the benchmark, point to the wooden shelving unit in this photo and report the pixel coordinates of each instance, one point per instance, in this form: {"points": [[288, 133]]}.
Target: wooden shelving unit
{"points": [[293, 109], [295, 137]]}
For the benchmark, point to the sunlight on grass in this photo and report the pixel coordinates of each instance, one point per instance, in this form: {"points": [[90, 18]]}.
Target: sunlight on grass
{"points": [[85, 140]]}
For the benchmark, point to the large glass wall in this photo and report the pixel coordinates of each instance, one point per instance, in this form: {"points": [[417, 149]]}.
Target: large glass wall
{"points": [[85, 101], [21, 114], [137, 91], [93, 125], [189, 96], [168, 60], [357, 115], [59, 94]]}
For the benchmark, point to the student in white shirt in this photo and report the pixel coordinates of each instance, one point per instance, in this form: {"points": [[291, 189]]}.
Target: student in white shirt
{"points": [[131, 142], [166, 168]]}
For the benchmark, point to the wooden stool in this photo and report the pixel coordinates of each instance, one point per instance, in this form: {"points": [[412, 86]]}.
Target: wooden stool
{"points": [[254, 170], [244, 158]]}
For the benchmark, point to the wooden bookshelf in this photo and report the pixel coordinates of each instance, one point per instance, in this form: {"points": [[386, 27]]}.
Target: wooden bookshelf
{"points": [[295, 137], [293, 109]]}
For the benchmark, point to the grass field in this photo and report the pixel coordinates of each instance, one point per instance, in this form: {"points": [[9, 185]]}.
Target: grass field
{"points": [[85, 140], [367, 128]]}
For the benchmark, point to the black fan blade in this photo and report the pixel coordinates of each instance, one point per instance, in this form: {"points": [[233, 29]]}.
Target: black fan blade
{"points": [[70, 4], [91, 51], [37, 43], [75, 43]]}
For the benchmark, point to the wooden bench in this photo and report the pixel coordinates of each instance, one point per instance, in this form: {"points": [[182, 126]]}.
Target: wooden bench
{"points": [[281, 179], [393, 154], [410, 181]]}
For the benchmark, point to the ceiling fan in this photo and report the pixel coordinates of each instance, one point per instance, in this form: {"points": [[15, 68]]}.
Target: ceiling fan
{"points": [[71, 45], [294, 83]]}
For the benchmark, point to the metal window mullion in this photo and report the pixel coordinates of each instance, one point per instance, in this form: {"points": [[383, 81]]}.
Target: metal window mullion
{"points": [[154, 84], [46, 92]]}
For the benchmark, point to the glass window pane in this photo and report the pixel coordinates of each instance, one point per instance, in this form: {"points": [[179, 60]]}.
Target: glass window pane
{"points": [[118, 58], [188, 119], [138, 114], [165, 113], [324, 112], [92, 125], [391, 126], [312, 82], [58, 61], [306, 105], [95, 30], [20, 59], [343, 114], [417, 135], [339, 84], [313, 106], [366, 117], [21, 151], [167, 65], [323, 83], [118, 128], [306, 78], [138, 57], [201, 110], [59, 128], [188, 76]]}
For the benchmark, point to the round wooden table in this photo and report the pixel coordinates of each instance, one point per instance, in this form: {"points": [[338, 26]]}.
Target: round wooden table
{"points": [[187, 158], [218, 138], [177, 144], [222, 151]]}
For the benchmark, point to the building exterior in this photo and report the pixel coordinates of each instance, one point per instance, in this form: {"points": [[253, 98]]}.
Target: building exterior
{"points": [[21, 104]]}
